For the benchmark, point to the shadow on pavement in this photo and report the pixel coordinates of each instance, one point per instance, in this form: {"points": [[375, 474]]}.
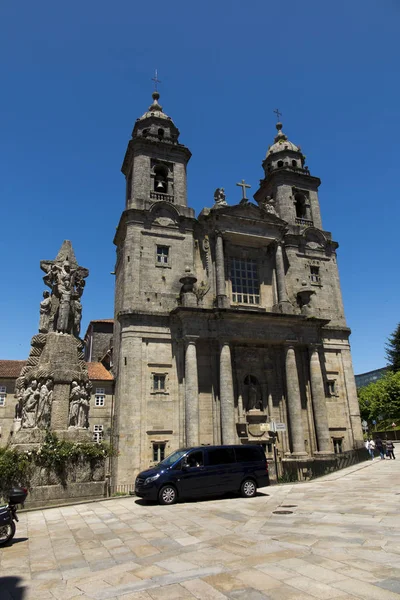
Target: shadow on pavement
{"points": [[17, 541], [143, 502], [12, 587]]}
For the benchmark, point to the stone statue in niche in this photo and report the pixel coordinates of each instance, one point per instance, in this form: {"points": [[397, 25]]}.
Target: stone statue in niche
{"points": [[219, 197], [79, 405], [30, 401], [45, 309], [252, 393], [44, 404]]}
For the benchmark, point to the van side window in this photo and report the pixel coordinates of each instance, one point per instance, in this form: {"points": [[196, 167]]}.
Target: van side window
{"points": [[221, 456], [248, 454], [195, 459]]}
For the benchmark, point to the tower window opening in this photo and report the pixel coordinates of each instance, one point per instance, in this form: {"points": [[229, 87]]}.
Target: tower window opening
{"points": [[301, 208], [315, 277], [294, 163], [160, 179], [162, 255], [280, 163], [160, 133], [145, 132]]}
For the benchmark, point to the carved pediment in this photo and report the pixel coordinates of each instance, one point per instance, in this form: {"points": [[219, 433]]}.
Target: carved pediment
{"points": [[249, 210], [164, 214]]}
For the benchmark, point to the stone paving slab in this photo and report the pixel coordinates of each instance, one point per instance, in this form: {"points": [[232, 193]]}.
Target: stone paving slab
{"points": [[341, 541]]}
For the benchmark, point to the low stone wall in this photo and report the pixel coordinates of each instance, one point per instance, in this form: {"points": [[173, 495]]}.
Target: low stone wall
{"points": [[82, 480], [309, 469]]}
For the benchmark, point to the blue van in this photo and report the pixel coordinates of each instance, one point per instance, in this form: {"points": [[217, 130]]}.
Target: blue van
{"points": [[205, 471]]}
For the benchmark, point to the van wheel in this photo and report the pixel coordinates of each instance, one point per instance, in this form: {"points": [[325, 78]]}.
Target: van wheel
{"points": [[167, 495], [248, 488]]}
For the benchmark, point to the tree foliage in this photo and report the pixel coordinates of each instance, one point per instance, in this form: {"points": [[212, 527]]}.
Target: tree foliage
{"points": [[380, 401], [393, 350]]}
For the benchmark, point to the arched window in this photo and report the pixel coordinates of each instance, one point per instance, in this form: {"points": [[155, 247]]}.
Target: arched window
{"points": [[252, 393], [160, 179], [145, 132], [280, 163], [160, 133], [294, 163], [300, 204]]}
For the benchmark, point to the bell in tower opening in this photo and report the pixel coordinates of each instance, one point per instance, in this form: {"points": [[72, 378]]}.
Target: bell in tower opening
{"points": [[160, 179]]}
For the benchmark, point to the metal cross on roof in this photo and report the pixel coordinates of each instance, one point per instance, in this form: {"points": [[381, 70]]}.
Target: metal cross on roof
{"points": [[278, 114], [156, 80], [244, 185]]}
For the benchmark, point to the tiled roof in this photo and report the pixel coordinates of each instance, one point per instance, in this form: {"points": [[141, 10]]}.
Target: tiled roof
{"points": [[102, 321], [11, 369], [98, 371]]}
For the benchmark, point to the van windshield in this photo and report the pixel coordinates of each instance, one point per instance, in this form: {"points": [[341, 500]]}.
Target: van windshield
{"points": [[172, 458]]}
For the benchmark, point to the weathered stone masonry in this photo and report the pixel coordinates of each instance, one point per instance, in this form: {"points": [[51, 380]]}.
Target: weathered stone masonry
{"points": [[231, 322]]}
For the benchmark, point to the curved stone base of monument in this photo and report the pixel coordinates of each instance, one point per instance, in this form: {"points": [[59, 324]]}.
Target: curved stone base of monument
{"points": [[84, 480], [28, 439]]}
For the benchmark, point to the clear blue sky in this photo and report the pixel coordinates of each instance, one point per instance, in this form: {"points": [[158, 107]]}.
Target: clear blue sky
{"points": [[76, 75]]}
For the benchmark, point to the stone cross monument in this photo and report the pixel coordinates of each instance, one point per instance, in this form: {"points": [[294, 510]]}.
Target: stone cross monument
{"points": [[53, 389]]}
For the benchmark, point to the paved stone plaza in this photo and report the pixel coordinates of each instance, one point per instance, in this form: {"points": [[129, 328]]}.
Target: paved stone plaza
{"points": [[341, 541]]}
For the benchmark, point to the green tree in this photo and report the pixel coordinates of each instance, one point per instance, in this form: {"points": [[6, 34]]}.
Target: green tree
{"points": [[393, 350], [380, 401]]}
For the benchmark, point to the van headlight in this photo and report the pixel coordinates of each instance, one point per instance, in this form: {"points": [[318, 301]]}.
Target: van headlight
{"points": [[150, 479]]}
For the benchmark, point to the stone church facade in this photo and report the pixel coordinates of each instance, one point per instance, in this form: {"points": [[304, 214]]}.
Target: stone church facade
{"points": [[229, 323]]}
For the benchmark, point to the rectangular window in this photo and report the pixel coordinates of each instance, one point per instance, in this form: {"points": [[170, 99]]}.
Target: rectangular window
{"points": [[314, 274], [100, 397], [3, 395], [159, 451], [337, 445], [331, 386], [97, 433], [162, 255], [244, 279], [159, 383]]}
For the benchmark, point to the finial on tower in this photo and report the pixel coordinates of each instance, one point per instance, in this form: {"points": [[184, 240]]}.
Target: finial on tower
{"points": [[155, 95], [278, 114], [156, 80]]}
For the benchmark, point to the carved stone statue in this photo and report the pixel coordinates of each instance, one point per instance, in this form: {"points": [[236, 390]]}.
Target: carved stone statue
{"points": [[269, 205], [74, 404], [253, 394], [219, 197], [62, 311], [77, 313], [30, 402], [44, 405], [83, 417], [45, 309]]}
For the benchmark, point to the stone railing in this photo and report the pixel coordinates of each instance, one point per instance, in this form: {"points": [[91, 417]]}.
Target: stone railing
{"points": [[161, 196], [305, 222]]}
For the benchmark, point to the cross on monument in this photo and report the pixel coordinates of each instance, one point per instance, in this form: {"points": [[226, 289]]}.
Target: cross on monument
{"points": [[278, 114], [156, 80], [244, 185]]}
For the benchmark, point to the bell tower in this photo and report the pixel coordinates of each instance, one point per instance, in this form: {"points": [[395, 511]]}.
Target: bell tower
{"points": [[155, 162], [288, 182]]}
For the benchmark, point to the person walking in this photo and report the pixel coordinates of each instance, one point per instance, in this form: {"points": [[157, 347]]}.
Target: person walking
{"points": [[390, 449], [370, 446], [380, 448]]}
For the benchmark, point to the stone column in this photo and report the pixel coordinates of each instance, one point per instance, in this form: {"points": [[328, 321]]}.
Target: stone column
{"points": [[226, 395], [191, 394], [220, 270], [319, 403], [294, 404], [283, 298]]}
